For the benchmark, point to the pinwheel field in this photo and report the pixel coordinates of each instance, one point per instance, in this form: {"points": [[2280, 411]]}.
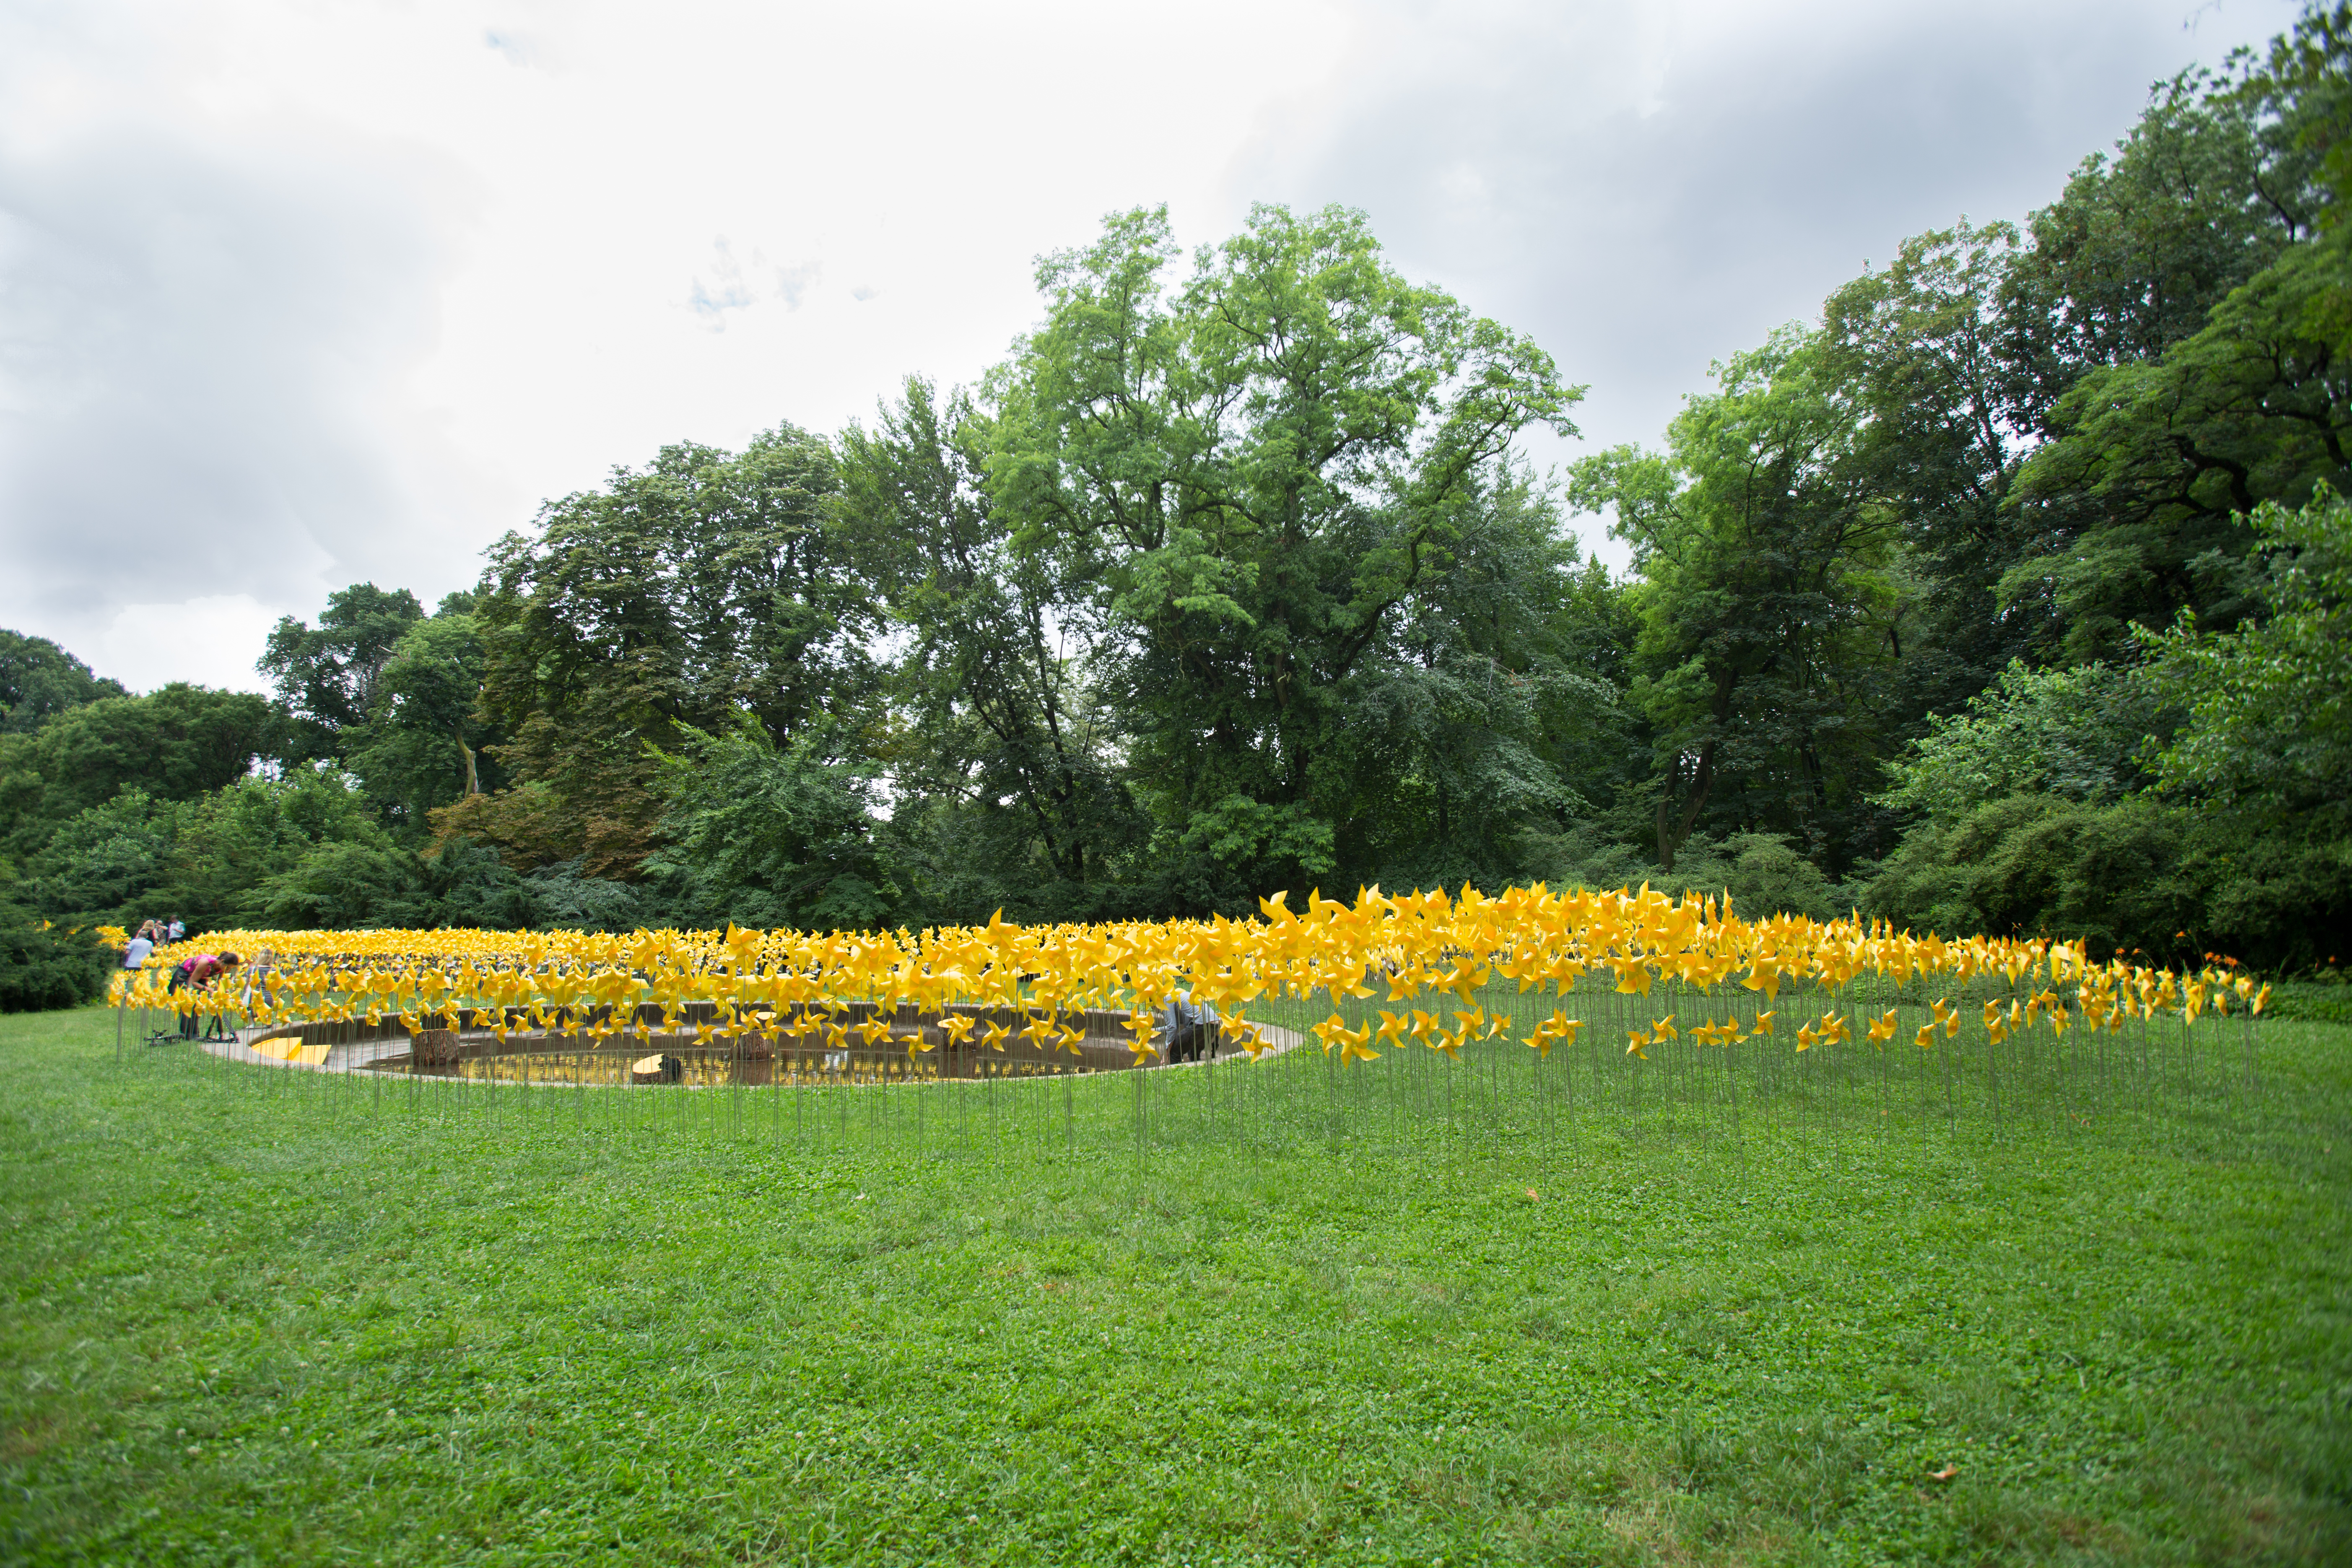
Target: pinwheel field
{"points": [[1683, 996], [1538, 1227]]}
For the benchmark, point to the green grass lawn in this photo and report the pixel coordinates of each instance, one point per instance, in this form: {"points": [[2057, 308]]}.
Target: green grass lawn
{"points": [[251, 1319]]}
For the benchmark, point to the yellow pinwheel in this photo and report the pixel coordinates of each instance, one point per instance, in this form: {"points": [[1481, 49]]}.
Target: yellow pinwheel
{"points": [[1764, 975], [1463, 980], [1558, 1029], [1355, 1045], [1634, 976]]}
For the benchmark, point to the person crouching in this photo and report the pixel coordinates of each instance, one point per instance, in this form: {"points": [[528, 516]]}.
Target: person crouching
{"points": [[196, 974], [1187, 1028]]}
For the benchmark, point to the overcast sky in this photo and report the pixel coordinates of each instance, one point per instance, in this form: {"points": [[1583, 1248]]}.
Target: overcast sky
{"points": [[298, 292]]}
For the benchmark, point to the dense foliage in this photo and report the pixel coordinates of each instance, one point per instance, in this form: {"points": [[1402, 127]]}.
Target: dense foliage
{"points": [[2009, 595], [44, 966]]}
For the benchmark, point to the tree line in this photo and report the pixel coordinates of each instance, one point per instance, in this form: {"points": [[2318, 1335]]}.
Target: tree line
{"points": [[2007, 595]]}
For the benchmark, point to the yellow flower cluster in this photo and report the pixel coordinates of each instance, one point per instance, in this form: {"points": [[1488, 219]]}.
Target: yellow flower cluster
{"points": [[1394, 950]]}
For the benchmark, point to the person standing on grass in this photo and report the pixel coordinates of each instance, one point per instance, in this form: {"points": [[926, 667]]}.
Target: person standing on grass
{"points": [[135, 951], [176, 930], [196, 974]]}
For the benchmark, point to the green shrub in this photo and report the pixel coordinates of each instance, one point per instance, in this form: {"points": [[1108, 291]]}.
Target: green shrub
{"points": [[44, 966], [1761, 871], [2171, 882]]}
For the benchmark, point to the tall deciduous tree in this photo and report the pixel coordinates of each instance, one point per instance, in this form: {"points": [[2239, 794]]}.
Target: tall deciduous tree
{"points": [[422, 746], [1762, 540], [1475, 713], [684, 594], [1917, 348], [2255, 407], [1251, 478], [38, 680], [326, 675], [2270, 704], [174, 743], [769, 835], [1001, 730], [2205, 191], [2175, 338]]}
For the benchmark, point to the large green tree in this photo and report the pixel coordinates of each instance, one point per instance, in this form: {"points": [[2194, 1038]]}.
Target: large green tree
{"points": [[38, 680], [2255, 407], [1245, 480], [1916, 351], [2174, 338], [699, 588], [1475, 713], [174, 743], [423, 744], [769, 835], [1762, 540], [2207, 188], [2269, 704], [326, 675], [1003, 745]]}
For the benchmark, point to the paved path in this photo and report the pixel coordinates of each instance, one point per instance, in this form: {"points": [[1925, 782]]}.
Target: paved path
{"points": [[359, 1056]]}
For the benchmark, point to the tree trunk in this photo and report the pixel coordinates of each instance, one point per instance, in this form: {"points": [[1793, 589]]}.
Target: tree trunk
{"points": [[1671, 833], [434, 1048]]}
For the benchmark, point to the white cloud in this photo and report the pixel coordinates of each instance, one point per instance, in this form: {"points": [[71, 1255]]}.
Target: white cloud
{"points": [[207, 325], [793, 283], [726, 292], [1647, 189], [293, 295], [212, 639]]}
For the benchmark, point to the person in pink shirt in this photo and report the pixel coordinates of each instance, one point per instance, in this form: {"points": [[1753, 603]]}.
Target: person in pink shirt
{"points": [[196, 974]]}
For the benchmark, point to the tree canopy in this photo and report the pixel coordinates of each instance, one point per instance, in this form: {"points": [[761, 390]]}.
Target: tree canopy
{"points": [[2007, 592]]}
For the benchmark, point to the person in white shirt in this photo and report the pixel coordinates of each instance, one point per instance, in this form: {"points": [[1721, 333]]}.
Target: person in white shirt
{"points": [[134, 954]]}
